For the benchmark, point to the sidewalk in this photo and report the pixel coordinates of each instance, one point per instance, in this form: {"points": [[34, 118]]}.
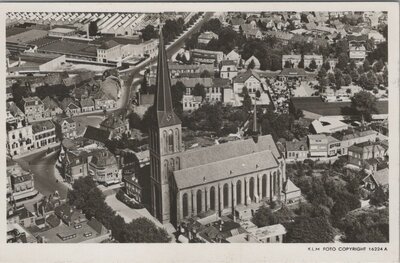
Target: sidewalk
{"points": [[45, 148]]}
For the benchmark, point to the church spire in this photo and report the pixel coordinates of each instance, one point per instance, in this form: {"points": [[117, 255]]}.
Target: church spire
{"points": [[255, 130], [163, 100]]}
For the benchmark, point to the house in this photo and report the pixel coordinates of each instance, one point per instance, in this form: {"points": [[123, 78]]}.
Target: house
{"points": [[215, 92], [269, 234], [318, 145], [282, 36], [21, 216], [354, 137], [70, 107], [333, 146], [248, 79], [376, 179], [250, 31], [234, 56], [366, 155], [328, 125], [309, 58], [18, 234], [103, 101], [202, 56], [65, 128], [22, 185], [87, 105], [191, 103], [236, 23], [376, 36], [357, 51], [96, 135], [69, 215], [51, 107], [293, 74], [44, 133], [112, 87], [297, 149], [33, 109], [250, 60], [14, 113], [116, 125], [291, 191], [228, 69], [104, 168], [291, 60], [20, 139], [132, 187], [205, 37], [73, 164]]}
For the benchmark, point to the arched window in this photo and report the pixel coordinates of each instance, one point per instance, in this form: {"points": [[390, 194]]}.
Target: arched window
{"points": [[264, 185], [274, 184], [251, 190], [212, 198], [185, 205], [170, 141], [177, 140], [226, 195], [166, 169], [239, 192], [164, 141], [198, 200], [177, 163]]}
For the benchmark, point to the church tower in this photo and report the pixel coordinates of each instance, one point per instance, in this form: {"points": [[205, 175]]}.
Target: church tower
{"points": [[165, 144]]}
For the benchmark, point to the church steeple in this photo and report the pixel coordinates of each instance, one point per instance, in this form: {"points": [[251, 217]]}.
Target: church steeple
{"points": [[255, 132], [165, 114]]}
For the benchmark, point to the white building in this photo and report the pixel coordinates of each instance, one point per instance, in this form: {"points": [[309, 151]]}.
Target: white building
{"points": [[19, 138]]}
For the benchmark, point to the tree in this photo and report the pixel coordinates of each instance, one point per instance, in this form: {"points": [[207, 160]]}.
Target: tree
{"points": [[199, 90], [251, 65], [287, 64], [246, 99], [301, 63], [205, 74], [313, 65], [343, 61], [348, 91], [264, 217], [93, 28], [149, 33], [364, 104], [142, 230], [366, 65], [347, 79], [135, 121], [378, 197], [309, 230]]}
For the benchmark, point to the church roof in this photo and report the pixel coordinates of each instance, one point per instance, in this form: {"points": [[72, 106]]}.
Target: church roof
{"points": [[215, 153], [165, 114], [224, 169]]}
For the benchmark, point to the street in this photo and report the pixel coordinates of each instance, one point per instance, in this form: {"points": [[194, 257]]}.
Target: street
{"points": [[42, 168], [172, 49]]}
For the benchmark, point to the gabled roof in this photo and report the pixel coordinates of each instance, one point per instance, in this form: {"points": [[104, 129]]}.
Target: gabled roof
{"points": [[242, 77], [103, 158], [41, 126], [229, 168], [381, 177], [96, 134], [50, 103], [88, 102], [109, 44]]}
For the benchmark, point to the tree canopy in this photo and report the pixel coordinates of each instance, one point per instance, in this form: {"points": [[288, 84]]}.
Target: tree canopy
{"points": [[365, 104]]}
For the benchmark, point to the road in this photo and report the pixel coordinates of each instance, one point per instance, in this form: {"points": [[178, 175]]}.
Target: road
{"points": [[42, 168], [172, 49]]}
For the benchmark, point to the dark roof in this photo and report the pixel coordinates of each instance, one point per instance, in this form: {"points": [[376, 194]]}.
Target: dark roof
{"points": [[96, 134], [318, 106], [228, 63], [113, 122], [53, 220], [221, 83], [165, 115], [109, 44], [42, 126], [103, 158], [297, 146], [293, 72], [97, 226], [241, 78]]}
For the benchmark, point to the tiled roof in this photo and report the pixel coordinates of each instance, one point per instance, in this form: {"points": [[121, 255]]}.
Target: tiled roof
{"points": [[88, 102], [42, 126], [229, 150], [224, 169], [297, 146], [381, 177], [103, 158], [96, 134], [242, 77]]}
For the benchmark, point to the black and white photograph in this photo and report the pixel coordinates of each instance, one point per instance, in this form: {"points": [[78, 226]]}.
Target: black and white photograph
{"points": [[200, 126]]}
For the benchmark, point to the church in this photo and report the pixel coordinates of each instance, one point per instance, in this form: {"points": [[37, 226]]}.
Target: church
{"points": [[217, 179]]}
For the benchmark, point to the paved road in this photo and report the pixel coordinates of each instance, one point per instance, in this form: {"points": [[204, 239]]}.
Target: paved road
{"points": [[172, 49], [43, 173]]}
